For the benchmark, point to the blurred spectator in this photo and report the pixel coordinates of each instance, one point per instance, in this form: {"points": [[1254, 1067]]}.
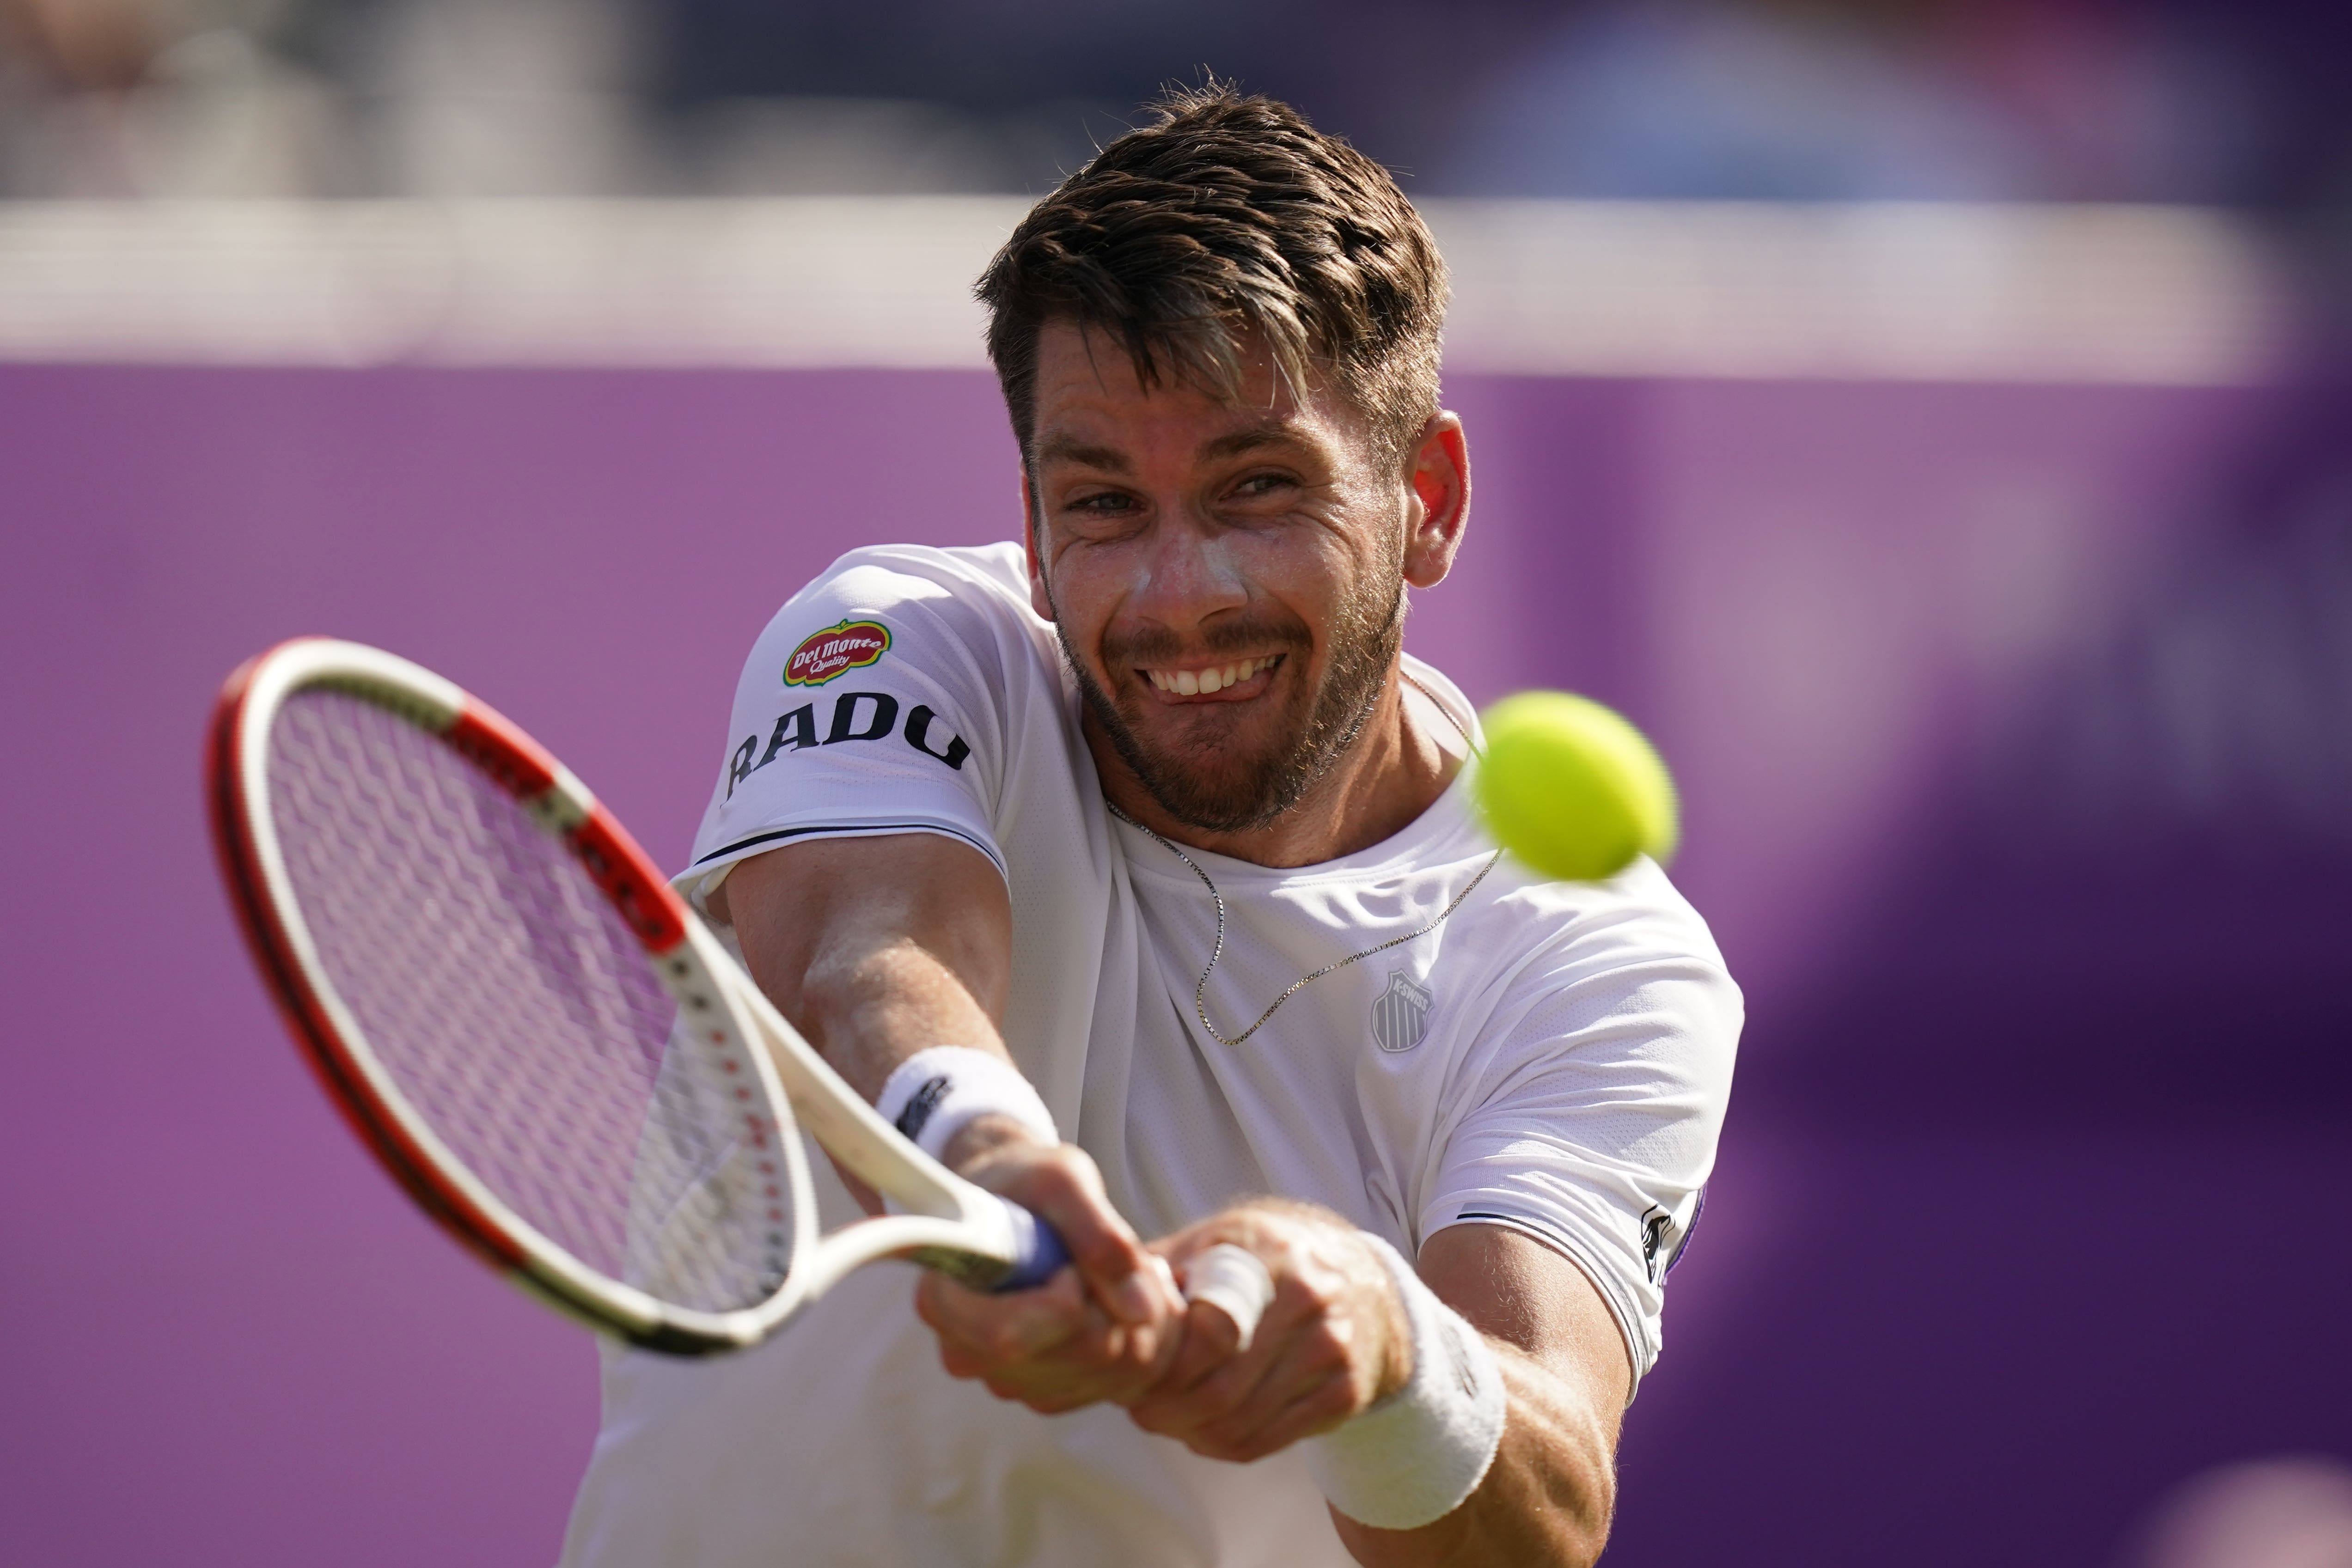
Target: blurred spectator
{"points": [[499, 98], [1703, 99], [2058, 99], [159, 97]]}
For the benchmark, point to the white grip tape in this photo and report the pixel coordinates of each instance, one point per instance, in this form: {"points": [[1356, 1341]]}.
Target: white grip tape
{"points": [[935, 1093], [1235, 1282], [1416, 1455]]}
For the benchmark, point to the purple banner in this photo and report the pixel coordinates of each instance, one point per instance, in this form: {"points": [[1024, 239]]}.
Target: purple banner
{"points": [[2028, 1211]]}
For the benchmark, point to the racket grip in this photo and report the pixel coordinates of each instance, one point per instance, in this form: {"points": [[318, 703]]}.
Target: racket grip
{"points": [[1037, 1250]]}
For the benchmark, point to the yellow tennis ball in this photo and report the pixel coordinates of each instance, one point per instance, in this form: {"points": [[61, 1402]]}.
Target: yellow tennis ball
{"points": [[1572, 789]]}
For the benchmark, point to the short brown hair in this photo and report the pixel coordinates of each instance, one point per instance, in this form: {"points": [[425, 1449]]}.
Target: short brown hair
{"points": [[1228, 217]]}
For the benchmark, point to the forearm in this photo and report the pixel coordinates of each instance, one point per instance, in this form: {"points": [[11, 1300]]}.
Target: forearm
{"points": [[876, 948], [868, 1004], [1546, 1498]]}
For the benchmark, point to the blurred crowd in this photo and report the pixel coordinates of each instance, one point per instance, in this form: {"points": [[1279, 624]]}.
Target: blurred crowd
{"points": [[2190, 100]]}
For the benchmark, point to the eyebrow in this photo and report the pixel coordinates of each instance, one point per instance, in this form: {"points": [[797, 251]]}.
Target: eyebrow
{"points": [[1110, 459], [1232, 443], [1063, 449]]}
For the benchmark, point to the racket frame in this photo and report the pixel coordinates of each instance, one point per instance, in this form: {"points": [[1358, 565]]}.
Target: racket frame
{"points": [[947, 1223]]}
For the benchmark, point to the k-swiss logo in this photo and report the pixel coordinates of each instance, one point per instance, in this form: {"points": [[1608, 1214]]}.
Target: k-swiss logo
{"points": [[836, 651], [1400, 1014]]}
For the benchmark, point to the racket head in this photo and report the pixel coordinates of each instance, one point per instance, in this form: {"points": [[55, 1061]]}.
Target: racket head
{"points": [[507, 1002]]}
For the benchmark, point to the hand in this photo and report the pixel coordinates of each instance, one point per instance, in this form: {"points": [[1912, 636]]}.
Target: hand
{"points": [[1334, 1340], [1104, 1329]]}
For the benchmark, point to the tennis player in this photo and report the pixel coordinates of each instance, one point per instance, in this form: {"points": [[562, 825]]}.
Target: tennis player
{"points": [[1129, 869]]}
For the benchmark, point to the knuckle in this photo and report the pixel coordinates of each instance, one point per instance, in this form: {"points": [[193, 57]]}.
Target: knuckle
{"points": [[1328, 1405], [1323, 1348], [1216, 1332], [1313, 1293]]}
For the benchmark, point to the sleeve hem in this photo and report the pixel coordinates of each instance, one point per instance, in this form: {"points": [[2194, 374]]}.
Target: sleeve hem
{"points": [[699, 881]]}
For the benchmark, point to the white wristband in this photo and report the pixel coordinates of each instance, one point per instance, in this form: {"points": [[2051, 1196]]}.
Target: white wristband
{"points": [[937, 1092], [1416, 1455]]}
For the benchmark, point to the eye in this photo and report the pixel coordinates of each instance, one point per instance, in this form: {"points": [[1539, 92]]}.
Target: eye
{"points": [[1259, 486], [1107, 504]]}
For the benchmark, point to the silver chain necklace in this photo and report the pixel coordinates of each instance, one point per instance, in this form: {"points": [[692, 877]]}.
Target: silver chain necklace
{"points": [[1200, 992]]}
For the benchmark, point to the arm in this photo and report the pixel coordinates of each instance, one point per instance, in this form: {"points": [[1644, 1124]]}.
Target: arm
{"points": [[878, 947], [1336, 1341], [1549, 1493]]}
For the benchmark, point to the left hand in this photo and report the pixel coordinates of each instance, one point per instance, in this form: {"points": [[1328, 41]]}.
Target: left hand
{"points": [[1334, 1340]]}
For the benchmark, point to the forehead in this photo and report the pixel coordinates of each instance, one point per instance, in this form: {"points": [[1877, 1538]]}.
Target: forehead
{"points": [[1090, 396]]}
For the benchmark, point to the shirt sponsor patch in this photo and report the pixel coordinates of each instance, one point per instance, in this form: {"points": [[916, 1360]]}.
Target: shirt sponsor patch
{"points": [[851, 721], [836, 650]]}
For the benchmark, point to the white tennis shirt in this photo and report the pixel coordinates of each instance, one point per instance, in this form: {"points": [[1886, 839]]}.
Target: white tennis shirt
{"points": [[1554, 1058]]}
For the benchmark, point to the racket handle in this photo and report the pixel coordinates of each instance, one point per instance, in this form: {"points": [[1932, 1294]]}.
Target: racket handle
{"points": [[1037, 1250]]}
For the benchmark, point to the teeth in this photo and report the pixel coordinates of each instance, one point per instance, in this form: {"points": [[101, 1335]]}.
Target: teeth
{"points": [[1199, 683]]}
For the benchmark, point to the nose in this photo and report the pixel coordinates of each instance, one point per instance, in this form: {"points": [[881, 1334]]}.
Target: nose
{"points": [[1189, 575]]}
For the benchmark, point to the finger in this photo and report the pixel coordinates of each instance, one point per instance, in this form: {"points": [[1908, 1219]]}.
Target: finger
{"points": [[1024, 1323], [1110, 1360], [1207, 1343], [1250, 1435], [1233, 1283], [1205, 1387], [1065, 1191], [1297, 1353]]}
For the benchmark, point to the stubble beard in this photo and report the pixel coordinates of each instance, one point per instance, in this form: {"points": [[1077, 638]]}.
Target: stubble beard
{"points": [[1205, 783]]}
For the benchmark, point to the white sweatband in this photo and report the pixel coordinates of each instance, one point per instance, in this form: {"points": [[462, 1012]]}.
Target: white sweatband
{"points": [[937, 1092], [1416, 1455]]}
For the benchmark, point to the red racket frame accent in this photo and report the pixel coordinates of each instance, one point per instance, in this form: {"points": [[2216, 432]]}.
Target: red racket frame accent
{"points": [[947, 1221], [322, 1047], [614, 860], [520, 765]]}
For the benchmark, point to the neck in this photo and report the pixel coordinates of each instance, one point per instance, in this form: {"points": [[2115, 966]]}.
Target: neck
{"points": [[1390, 776]]}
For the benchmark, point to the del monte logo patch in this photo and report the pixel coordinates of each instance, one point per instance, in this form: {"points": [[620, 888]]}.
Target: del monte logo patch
{"points": [[836, 650]]}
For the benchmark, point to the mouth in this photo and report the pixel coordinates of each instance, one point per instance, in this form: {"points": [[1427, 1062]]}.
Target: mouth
{"points": [[1235, 680]]}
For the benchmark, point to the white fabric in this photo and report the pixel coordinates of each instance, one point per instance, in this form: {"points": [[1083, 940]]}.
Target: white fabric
{"points": [[1553, 1057], [1413, 1457], [959, 1083]]}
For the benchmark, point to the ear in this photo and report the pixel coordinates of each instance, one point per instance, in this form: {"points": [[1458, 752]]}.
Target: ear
{"points": [[1039, 600], [1439, 509]]}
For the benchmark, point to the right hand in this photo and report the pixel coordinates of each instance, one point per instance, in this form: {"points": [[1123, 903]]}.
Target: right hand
{"points": [[1103, 1329]]}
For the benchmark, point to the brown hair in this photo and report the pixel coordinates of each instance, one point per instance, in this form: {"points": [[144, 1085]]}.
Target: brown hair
{"points": [[1229, 218]]}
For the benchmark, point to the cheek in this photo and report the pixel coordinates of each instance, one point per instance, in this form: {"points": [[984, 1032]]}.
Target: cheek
{"points": [[1082, 604]]}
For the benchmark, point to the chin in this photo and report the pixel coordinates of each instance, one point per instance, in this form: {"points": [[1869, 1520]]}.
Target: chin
{"points": [[1217, 787]]}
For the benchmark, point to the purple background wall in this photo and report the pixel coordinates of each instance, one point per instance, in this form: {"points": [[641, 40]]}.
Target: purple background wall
{"points": [[2014, 727]]}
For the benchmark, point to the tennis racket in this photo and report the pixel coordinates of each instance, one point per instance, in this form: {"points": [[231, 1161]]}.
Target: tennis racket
{"points": [[541, 1041]]}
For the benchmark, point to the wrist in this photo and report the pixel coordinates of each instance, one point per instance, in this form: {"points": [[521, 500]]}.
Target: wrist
{"points": [[953, 1095], [1413, 1457], [988, 1134]]}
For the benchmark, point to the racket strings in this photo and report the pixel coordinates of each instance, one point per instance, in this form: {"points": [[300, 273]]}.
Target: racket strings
{"points": [[516, 1013]]}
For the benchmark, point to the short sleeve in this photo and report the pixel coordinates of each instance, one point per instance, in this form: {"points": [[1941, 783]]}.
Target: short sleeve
{"points": [[874, 703], [1592, 1109]]}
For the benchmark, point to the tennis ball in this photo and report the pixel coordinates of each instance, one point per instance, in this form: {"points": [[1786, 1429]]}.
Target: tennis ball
{"points": [[1572, 789]]}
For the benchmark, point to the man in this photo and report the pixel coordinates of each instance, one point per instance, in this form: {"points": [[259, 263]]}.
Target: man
{"points": [[1149, 836]]}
